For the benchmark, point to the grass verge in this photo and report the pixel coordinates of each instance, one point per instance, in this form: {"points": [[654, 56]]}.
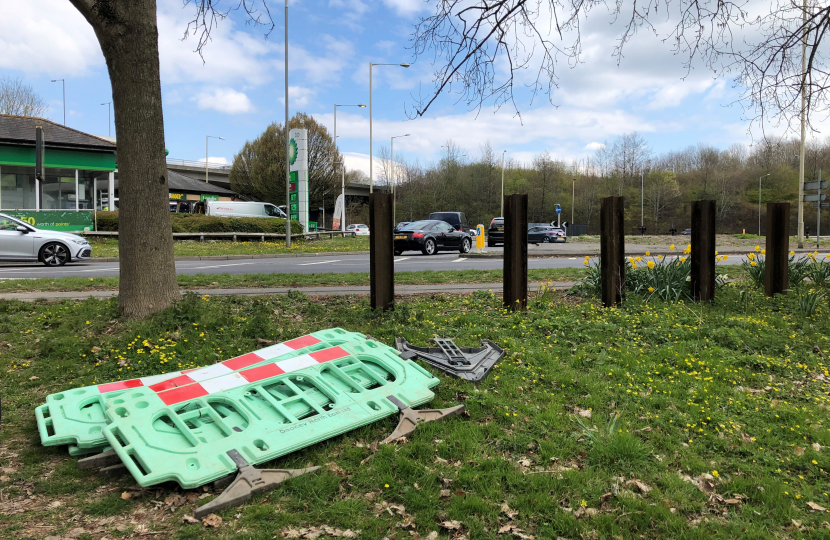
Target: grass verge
{"points": [[108, 247], [645, 422], [229, 281]]}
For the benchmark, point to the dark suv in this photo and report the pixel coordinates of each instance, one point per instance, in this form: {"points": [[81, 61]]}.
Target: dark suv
{"points": [[457, 219], [495, 234]]}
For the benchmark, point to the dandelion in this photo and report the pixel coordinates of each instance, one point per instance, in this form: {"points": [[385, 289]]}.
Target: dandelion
{"points": [[715, 474], [584, 503], [651, 289], [386, 485]]}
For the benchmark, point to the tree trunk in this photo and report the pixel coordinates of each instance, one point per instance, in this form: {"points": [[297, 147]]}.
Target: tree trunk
{"points": [[128, 34]]}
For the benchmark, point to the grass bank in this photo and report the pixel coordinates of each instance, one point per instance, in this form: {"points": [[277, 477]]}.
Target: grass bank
{"points": [[108, 247], [229, 281], [645, 422]]}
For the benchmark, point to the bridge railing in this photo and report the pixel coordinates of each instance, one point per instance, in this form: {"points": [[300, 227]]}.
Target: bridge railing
{"points": [[198, 164]]}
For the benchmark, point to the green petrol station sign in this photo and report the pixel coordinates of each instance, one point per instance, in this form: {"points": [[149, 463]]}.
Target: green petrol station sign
{"points": [[55, 220]]}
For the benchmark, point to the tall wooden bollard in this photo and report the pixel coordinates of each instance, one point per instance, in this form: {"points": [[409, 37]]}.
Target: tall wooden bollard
{"points": [[776, 278], [515, 251], [381, 252], [612, 250], [703, 250]]}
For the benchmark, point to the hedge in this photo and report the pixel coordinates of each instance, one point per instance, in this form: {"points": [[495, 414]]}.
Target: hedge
{"points": [[191, 223]]}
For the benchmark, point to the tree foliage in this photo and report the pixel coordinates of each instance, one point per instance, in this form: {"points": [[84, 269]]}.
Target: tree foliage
{"points": [[17, 98]]}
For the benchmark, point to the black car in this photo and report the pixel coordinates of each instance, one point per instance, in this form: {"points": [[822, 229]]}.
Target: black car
{"points": [[687, 232], [430, 236], [401, 225], [495, 234], [457, 219], [545, 234]]}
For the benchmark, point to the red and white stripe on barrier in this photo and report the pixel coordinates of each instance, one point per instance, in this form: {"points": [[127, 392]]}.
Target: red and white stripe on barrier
{"points": [[229, 381], [176, 379]]}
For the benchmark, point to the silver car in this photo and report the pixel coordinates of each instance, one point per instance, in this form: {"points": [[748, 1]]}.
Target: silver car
{"points": [[19, 241]]}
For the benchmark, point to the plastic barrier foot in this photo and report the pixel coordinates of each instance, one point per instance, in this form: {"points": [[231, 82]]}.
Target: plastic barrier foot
{"points": [[410, 418], [248, 481]]}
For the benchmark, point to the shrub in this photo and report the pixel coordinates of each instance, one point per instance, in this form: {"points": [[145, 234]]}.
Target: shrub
{"points": [[192, 223]]}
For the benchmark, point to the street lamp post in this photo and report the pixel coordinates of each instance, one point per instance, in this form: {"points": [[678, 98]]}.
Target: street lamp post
{"points": [[501, 212], [109, 119], [392, 167], [371, 148], [63, 87], [206, 154], [573, 200], [342, 165], [759, 202], [642, 198], [287, 144]]}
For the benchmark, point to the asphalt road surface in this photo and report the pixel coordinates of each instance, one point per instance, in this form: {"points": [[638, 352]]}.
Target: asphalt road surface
{"points": [[338, 264]]}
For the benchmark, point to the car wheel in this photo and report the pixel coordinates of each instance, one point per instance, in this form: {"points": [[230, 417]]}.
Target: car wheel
{"points": [[465, 246], [546, 240], [54, 254], [398, 252], [429, 247]]}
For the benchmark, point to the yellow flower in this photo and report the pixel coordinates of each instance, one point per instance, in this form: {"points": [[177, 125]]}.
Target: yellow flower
{"points": [[715, 474], [753, 263], [631, 259], [725, 257], [671, 247], [648, 253], [660, 257], [651, 289], [650, 264], [793, 253], [634, 266], [583, 503], [763, 252], [386, 485], [751, 256], [639, 258], [585, 262], [682, 259]]}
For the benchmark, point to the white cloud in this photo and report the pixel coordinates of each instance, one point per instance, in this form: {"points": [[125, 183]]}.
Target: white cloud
{"points": [[226, 100], [407, 8], [215, 160], [593, 146], [299, 96], [360, 162], [47, 36]]}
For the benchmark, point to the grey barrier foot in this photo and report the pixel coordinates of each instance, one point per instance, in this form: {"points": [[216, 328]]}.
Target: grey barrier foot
{"points": [[248, 481], [410, 418], [99, 461], [469, 363]]}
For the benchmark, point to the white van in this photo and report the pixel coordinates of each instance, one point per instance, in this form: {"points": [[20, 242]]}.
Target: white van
{"points": [[239, 209]]}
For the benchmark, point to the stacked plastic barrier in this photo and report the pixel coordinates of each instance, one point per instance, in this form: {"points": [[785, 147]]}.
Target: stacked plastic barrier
{"points": [[201, 425]]}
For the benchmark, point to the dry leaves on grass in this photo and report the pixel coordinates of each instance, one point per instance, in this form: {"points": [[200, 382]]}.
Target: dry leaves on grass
{"points": [[190, 519], [212, 520], [431, 536], [584, 413], [643, 487], [509, 528], [798, 450], [508, 512], [335, 469], [584, 511], [174, 500], [310, 533], [816, 507], [452, 525]]}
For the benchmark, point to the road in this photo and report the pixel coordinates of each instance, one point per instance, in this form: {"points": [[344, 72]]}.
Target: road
{"points": [[337, 264]]}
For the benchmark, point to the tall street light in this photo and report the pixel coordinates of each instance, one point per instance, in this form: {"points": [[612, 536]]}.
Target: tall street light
{"points": [[392, 166], [501, 213], [342, 165], [109, 120], [63, 86], [287, 144], [759, 203], [206, 154], [371, 148], [573, 200]]}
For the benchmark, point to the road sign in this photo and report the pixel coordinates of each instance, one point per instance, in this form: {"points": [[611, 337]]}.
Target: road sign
{"points": [[809, 198], [823, 205], [816, 185], [558, 209]]}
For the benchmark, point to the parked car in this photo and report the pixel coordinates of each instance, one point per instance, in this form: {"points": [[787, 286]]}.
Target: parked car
{"points": [[240, 209], [19, 241], [546, 234], [495, 234], [457, 219], [430, 236], [401, 225], [687, 232], [358, 229]]}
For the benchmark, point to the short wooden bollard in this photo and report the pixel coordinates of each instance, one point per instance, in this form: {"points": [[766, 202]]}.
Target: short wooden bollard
{"points": [[515, 251], [703, 251], [777, 269], [381, 252], [612, 251]]}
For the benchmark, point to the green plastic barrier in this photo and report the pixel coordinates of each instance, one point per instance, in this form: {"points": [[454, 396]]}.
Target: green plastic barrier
{"points": [[345, 388], [76, 417]]}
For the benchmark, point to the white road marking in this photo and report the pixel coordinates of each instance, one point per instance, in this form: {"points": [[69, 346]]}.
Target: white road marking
{"points": [[321, 262], [401, 259], [459, 260], [217, 265]]}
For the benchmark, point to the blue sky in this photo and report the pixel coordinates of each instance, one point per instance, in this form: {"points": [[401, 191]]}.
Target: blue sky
{"points": [[238, 90]]}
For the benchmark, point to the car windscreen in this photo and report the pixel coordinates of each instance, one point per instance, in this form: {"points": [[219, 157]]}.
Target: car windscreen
{"points": [[449, 217], [418, 225], [272, 211], [16, 222]]}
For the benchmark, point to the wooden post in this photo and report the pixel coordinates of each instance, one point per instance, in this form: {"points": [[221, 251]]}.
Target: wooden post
{"points": [[515, 251], [612, 251], [776, 278], [703, 250], [381, 256]]}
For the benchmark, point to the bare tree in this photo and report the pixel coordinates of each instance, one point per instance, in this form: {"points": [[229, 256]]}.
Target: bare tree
{"points": [[19, 99]]}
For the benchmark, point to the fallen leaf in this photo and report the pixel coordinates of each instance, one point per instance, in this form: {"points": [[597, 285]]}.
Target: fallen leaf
{"points": [[584, 413], [4, 478], [212, 520], [441, 460], [814, 506], [605, 497], [644, 488], [335, 468], [817, 447], [796, 523], [523, 462], [189, 519], [746, 437], [508, 512], [96, 349], [174, 500], [451, 525], [75, 533], [732, 501], [446, 493], [33, 378], [126, 495], [798, 450], [265, 341]]}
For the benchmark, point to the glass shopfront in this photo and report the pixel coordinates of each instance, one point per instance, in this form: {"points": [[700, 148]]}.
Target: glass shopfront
{"points": [[57, 191]]}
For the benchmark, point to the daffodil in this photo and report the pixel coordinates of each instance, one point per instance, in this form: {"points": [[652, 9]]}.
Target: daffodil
{"points": [[671, 247], [650, 264], [648, 253], [651, 289]]}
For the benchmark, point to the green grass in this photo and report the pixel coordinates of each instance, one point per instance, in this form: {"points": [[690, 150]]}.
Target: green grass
{"points": [[229, 281], [108, 247], [736, 390]]}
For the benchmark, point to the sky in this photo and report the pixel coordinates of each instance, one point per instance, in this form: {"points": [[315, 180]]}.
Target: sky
{"points": [[237, 89]]}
